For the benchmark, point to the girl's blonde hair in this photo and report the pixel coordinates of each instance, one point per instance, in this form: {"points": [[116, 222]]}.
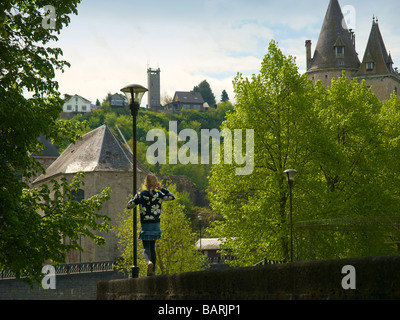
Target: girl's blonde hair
{"points": [[150, 182]]}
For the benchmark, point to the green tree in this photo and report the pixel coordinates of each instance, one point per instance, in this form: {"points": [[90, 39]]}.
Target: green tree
{"points": [[30, 105], [176, 250], [224, 96], [276, 104], [205, 90], [351, 158], [339, 141]]}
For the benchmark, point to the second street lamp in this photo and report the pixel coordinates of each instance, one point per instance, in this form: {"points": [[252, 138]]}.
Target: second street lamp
{"points": [[290, 174], [134, 93]]}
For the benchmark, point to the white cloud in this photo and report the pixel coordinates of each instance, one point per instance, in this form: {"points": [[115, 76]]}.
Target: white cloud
{"points": [[109, 44]]}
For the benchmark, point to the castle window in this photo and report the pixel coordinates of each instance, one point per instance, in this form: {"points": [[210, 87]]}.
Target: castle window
{"points": [[341, 62], [370, 66], [339, 51]]}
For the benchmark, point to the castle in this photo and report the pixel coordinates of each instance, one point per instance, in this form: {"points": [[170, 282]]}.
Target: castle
{"points": [[336, 52]]}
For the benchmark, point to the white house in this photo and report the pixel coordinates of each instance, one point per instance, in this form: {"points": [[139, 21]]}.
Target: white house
{"points": [[76, 104]]}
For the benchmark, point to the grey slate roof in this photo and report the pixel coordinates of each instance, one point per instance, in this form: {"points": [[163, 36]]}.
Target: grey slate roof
{"points": [[332, 34], [188, 97], [49, 150], [99, 150], [376, 52]]}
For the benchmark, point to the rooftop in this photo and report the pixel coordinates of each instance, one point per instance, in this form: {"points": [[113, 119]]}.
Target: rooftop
{"points": [[99, 150]]}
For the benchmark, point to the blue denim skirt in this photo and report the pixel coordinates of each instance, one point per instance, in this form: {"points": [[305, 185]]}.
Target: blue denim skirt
{"points": [[150, 231]]}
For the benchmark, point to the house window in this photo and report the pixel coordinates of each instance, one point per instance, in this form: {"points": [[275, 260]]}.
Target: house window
{"points": [[370, 66], [78, 195], [196, 107], [69, 107], [83, 108], [339, 52], [186, 106]]}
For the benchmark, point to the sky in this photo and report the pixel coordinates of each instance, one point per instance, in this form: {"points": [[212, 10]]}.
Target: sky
{"points": [[111, 43]]}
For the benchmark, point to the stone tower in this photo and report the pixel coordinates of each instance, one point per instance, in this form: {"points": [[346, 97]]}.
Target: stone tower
{"points": [[335, 52], [106, 162], [153, 84], [377, 66]]}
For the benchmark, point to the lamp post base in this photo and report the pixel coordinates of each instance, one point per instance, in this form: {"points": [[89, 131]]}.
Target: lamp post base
{"points": [[135, 272]]}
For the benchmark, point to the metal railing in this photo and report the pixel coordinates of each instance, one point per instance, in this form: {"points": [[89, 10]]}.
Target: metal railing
{"points": [[72, 268], [219, 260], [266, 261]]}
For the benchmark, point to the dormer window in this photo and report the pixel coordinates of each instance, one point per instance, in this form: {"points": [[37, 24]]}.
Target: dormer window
{"points": [[339, 51], [370, 66]]}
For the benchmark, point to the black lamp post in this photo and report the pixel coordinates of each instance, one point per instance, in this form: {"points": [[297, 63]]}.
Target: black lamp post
{"points": [[290, 174], [134, 93]]}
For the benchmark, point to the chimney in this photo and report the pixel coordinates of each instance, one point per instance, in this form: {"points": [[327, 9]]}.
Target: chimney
{"points": [[308, 53]]}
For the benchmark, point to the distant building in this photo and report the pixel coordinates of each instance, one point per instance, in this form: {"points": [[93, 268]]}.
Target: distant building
{"points": [[211, 249], [187, 101], [117, 100], [75, 105], [336, 52], [154, 87], [106, 163]]}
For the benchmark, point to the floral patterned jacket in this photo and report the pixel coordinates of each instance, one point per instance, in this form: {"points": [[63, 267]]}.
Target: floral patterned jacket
{"points": [[150, 206]]}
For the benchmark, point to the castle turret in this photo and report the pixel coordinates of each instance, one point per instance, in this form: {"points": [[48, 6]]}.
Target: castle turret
{"points": [[377, 66], [335, 50]]}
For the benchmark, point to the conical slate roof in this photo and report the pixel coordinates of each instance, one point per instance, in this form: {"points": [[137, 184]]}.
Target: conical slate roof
{"points": [[99, 150], [376, 52], [334, 32]]}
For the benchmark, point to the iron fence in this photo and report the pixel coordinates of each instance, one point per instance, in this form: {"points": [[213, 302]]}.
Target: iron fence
{"points": [[73, 268]]}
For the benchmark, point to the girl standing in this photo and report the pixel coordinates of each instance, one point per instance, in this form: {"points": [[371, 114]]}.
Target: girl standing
{"points": [[150, 201]]}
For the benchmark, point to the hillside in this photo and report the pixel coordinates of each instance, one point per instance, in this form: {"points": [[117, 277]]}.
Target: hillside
{"points": [[148, 120]]}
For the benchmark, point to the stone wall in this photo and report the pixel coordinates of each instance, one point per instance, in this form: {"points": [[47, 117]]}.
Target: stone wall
{"points": [[80, 286], [382, 86], [374, 278]]}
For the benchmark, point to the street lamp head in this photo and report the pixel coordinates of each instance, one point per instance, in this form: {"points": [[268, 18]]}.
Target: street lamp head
{"points": [[134, 93], [290, 174]]}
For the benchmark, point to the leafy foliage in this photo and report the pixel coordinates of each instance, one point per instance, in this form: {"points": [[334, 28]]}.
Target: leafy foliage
{"points": [[32, 223], [336, 138], [206, 92]]}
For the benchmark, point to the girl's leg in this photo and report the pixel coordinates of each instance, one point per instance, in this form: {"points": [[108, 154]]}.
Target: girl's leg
{"points": [[153, 254], [149, 251]]}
